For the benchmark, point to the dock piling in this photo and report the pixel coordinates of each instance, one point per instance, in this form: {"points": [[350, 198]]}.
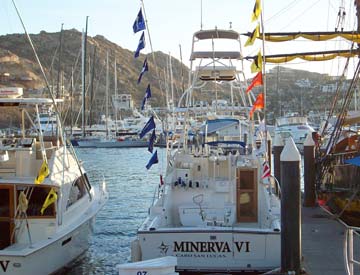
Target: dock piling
{"points": [[278, 147], [309, 172], [290, 208]]}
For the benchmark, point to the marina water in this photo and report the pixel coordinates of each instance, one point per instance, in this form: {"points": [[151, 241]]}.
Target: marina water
{"points": [[131, 190]]}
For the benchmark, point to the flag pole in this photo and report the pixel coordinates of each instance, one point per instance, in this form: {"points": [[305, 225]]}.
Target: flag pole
{"points": [[151, 48], [264, 71]]}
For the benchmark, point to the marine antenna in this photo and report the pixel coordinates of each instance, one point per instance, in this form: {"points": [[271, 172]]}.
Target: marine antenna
{"points": [[340, 17], [201, 21]]}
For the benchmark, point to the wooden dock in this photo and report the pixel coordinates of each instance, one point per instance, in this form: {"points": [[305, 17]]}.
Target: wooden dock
{"points": [[323, 243]]}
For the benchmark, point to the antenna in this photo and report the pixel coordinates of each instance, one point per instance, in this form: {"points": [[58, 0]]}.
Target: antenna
{"points": [[201, 15], [340, 17]]}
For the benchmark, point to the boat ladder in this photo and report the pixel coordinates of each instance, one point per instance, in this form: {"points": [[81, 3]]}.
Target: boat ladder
{"points": [[349, 260]]}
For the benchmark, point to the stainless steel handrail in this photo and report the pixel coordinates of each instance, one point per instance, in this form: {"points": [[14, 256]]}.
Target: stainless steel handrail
{"points": [[348, 248]]}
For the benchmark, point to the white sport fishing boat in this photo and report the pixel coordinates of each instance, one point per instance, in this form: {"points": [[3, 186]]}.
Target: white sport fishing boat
{"points": [[214, 211], [295, 126], [47, 204]]}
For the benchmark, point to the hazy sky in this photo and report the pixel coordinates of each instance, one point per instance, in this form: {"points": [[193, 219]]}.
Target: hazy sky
{"points": [[173, 22]]}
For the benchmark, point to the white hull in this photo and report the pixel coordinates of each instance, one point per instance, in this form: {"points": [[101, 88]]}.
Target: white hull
{"points": [[220, 250], [111, 143], [49, 256], [52, 257]]}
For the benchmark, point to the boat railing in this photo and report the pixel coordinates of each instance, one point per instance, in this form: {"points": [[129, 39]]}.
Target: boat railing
{"points": [[96, 177], [351, 234], [274, 187], [349, 260]]}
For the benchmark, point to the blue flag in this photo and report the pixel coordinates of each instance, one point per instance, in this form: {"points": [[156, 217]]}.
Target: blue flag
{"points": [[139, 23], [148, 127], [152, 141], [140, 46], [154, 159], [143, 70], [146, 97]]}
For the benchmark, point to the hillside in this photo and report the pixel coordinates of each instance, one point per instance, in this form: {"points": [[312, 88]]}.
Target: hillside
{"points": [[288, 90], [17, 59]]}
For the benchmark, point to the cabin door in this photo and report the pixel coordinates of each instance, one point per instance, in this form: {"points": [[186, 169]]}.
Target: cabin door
{"points": [[6, 214], [246, 195]]}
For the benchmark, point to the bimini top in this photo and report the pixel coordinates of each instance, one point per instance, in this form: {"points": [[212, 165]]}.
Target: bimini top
{"points": [[13, 102], [215, 33]]}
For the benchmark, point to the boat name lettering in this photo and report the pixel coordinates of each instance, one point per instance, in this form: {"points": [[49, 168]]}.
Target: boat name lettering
{"points": [[215, 247], [141, 273], [4, 265], [239, 246]]}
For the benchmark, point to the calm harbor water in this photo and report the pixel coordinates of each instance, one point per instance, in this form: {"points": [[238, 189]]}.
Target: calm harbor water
{"points": [[131, 188]]}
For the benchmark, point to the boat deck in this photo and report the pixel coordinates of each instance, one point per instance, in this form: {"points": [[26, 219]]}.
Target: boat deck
{"points": [[323, 242]]}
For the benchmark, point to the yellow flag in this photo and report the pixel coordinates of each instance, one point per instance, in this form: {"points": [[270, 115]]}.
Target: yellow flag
{"points": [[256, 66], [50, 198], [42, 174], [256, 11], [255, 34], [23, 202]]}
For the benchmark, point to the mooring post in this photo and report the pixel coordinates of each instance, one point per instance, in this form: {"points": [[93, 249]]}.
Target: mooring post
{"points": [[309, 172], [278, 147], [269, 148], [290, 208]]}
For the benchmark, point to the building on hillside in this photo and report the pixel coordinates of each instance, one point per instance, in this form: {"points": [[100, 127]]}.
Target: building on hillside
{"points": [[332, 87], [4, 77], [25, 78], [303, 83]]}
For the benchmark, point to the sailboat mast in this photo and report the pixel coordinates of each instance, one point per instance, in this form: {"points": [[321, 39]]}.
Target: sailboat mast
{"points": [[92, 88], [171, 83], [167, 81], [71, 101], [83, 71], [107, 95], [59, 63], [83, 84], [115, 101]]}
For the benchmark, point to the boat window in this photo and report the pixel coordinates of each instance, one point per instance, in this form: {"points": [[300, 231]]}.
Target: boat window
{"points": [[4, 202], [77, 190], [36, 202]]}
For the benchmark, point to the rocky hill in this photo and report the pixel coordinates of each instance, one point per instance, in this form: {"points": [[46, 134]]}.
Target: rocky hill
{"points": [[17, 59]]}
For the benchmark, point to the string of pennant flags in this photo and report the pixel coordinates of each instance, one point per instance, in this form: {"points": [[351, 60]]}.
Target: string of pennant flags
{"points": [[150, 126], [256, 66]]}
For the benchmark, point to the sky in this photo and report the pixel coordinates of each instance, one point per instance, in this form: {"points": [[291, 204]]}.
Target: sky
{"points": [[172, 23]]}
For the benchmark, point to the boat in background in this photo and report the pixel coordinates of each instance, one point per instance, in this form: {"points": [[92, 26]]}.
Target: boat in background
{"points": [[46, 122], [295, 126], [11, 92], [216, 210], [119, 142], [47, 203]]}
